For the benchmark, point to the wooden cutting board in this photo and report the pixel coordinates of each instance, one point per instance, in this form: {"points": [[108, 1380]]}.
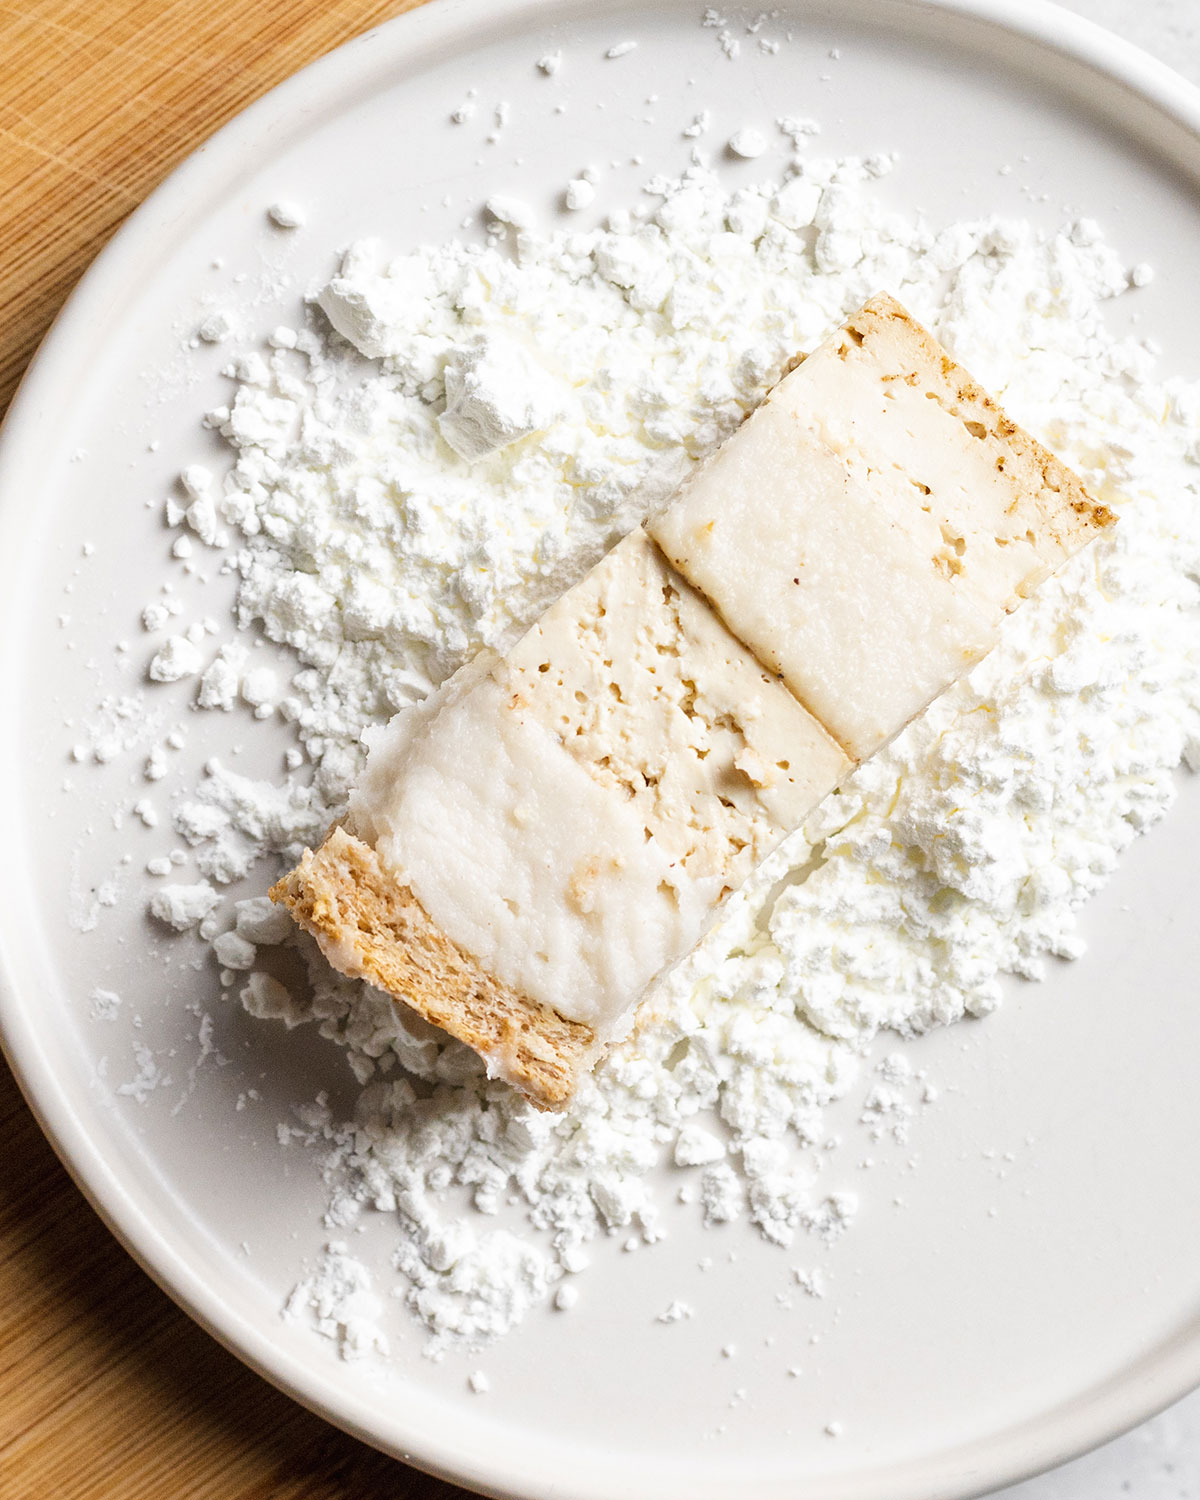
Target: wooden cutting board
{"points": [[107, 1391]]}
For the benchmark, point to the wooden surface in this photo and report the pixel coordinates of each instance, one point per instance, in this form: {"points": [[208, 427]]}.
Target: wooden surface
{"points": [[107, 1391]]}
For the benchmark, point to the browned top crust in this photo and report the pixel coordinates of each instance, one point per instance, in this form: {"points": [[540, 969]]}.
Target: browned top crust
{"points": [[374, 928]]}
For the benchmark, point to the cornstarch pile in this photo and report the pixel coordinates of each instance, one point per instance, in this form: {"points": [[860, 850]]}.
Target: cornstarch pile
{"points": [[452, 438]]}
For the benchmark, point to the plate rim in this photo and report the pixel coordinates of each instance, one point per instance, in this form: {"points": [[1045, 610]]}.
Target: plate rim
{"points": [[1125, 1400]]}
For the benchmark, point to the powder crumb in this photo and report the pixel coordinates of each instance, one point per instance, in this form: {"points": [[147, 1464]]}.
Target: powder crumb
{"points": [[264, 997], [337, 1300], [260, 687], [697, 1147], [234, 952], [148, 1078], [676, 1312], [287, 214], [621, 49], [176, 658], [830, 1219], [579, 194], [550, 63], [798, 129], [479, 1382], [510, 211], [183, 907], [699, 126], [263, 923], [747, 143], [833, 1429], [1141, 274], [105, 1005], [146, 811], [813, 1282], [565, 1298], [215, 328], [219, 681], [723, 1195]]}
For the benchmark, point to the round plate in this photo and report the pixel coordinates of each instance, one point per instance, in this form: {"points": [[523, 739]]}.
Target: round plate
{"points": [[1022, 1281]]}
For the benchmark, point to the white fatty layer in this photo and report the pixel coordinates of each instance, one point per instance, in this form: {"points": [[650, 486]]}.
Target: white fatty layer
{"points": [[542, 874]]}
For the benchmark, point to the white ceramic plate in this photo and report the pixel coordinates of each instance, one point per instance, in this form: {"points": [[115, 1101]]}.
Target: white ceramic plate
{"points": [[1012, 1311]]}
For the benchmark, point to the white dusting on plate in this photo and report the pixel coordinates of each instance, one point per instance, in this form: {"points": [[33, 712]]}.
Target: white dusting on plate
{"points": [[452, 438], [105, 1005], [337, 1299]]}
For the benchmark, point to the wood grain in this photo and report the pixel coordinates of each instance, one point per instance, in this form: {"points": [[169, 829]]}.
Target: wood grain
{"points": [[107, 1391]]}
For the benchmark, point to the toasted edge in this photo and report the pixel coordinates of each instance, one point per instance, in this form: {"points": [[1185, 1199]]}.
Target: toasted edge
{"points": [[1069, 513], [371, 926]]}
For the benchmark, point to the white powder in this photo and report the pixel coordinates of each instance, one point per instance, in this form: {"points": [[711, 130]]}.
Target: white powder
{"points": [[338, 1301], [474, 430], [183, 906], [287, 215], [747, 143], [495, 394], [105, 1005], [149, 1076], [176, 658], [579, 194]]}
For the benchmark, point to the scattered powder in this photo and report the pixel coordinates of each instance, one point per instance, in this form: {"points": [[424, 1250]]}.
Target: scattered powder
{"points": [[287, 215], [455, 436], [105, 1005], [176, 658], [183, 906], [148, 1078], [747, 143], [812, 1282], [216, 328], [579, 194], [797, 129], [267, 999], [338, 1301]]}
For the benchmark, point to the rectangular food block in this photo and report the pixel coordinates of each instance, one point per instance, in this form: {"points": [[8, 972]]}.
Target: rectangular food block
{"points": [[867, 529], [532, 847]]}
